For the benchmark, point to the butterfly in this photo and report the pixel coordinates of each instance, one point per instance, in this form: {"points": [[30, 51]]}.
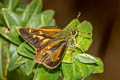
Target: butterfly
{"points": [[49, 43]]}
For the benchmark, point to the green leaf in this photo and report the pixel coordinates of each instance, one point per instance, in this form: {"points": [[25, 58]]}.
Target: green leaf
{"points": [[21, 60], [1, 6], [30, 64], [13, 49], [85, 58], [46, 74], [11, 4], [14, 58], [12, 64], [49, 14], [35, 22], [85, 26], [11, 18], [78, 70], [43, 19], [99, 68], [2, 21], [19, 12], [20, 9], [34, 8], [1, 71], [67, 71], [5, 55], [47, 18], [12, 35], [52, 23], [84, 35], [68, 56], [72, 24], [23, 51], [83, 43], [23, 69], [27, 46], [22, 6]]}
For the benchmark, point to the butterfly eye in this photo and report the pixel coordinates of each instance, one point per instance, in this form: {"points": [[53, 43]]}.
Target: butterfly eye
{"points": [[74, 32]]}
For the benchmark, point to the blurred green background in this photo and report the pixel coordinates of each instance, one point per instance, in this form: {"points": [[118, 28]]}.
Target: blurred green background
{"points": [[104, 16]]}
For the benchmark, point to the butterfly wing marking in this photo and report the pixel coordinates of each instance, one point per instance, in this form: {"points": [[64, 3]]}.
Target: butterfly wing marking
{"points": [[52, 54], [38, 38]]}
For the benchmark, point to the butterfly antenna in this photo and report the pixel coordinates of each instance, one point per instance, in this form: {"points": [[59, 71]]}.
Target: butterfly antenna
{"points": [[79, 14]]}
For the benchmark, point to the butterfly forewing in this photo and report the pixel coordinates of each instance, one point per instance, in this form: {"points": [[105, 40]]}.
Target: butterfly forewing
{"points": [[37, 38]]}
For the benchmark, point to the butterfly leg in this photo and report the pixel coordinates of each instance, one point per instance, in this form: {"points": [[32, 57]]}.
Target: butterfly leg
{"points": [[78, 46]]}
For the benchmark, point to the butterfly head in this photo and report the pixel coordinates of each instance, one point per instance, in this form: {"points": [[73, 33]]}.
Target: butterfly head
{"points": [[74, 32]]}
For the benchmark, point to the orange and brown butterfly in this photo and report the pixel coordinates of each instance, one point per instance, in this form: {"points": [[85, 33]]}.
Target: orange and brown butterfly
{"points": [[50, 43]]}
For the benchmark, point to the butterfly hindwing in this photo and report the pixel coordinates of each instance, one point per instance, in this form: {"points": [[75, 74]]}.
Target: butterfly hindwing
{"points": [[51, 55], [54, 60]]}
